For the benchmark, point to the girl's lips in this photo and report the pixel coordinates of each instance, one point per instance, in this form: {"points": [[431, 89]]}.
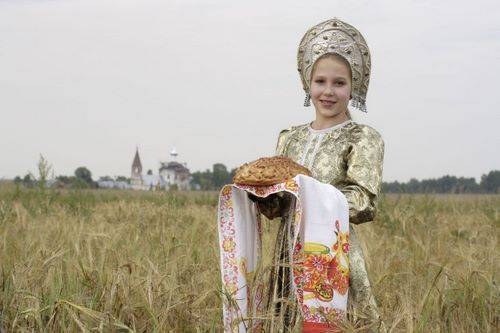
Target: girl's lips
{"points": [[327, 103]]}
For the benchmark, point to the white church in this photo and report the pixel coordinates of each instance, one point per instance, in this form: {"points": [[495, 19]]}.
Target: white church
{"points": [[170, 175]]}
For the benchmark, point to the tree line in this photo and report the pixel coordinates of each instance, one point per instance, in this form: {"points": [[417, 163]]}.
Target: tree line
{"points": [[219, 175], [210, 180], [81, 179], [489, 183]]}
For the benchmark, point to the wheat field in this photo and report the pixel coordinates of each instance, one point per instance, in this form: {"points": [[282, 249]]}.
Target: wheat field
{"points": [[120, 261]]}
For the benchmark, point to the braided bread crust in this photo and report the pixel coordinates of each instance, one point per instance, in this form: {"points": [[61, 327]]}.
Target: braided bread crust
{"points": [[268, 171]]}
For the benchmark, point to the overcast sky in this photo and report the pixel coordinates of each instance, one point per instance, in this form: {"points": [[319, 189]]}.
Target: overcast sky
{"points": [[84, 82]]}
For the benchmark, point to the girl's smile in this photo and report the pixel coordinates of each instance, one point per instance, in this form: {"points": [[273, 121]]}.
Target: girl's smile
{"points": [[327, 103]]}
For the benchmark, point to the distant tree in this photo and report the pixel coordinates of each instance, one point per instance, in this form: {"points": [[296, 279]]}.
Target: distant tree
{"points": [[18, 180], [80, 183], [394, 187], [150, 172], [122, 179], [202, 180], [467, 185], [413, 186], [65, 179], [220, 175], [490, 183], [105, 179], [212, 180], [44, 169], [83, 175], [29, 180], [444, 184], [196, 180]]}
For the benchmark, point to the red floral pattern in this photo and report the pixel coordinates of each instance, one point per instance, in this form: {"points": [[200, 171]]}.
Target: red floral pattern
{"points": [[320, 271]]}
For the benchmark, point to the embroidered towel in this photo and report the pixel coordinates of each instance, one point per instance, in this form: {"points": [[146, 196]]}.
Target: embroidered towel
{"points": [[320, 267]]}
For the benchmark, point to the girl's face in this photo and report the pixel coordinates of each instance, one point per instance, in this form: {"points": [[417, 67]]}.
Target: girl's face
{"points": [[331, 90]]}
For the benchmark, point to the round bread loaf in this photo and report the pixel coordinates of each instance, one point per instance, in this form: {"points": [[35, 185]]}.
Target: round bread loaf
{"points": [[268, 171]]}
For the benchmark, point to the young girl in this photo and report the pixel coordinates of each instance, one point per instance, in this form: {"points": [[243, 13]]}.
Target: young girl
{"points": [[334, 66]]}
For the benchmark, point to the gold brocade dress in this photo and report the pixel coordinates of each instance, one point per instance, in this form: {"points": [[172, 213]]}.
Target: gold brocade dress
{"points": [[348, 156]]}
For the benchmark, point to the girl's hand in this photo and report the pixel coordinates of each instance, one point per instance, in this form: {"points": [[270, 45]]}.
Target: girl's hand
{"points": [[274, 205]]}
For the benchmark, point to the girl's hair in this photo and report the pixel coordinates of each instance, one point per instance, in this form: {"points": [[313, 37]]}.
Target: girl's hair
{"points": [[340, 58], [334, 56]]}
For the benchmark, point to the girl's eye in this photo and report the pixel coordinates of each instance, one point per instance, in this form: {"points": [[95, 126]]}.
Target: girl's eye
{"points": [[319, 81], [340, 83]]}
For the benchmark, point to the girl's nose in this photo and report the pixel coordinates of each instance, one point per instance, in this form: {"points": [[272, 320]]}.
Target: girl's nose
{"points": [[329, 90]]}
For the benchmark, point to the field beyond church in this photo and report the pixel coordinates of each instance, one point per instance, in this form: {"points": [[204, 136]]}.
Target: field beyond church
{"points": [[148, 261]]}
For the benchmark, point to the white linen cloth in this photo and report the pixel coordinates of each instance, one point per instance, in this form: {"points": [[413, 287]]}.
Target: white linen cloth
{"points": [[320, 267]]}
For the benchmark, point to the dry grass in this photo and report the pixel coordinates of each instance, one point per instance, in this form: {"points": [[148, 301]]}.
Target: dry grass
{"points": [[136, 261]]}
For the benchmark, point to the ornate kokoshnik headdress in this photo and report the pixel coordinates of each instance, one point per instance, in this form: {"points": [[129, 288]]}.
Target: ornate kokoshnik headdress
{"points": [[335, 36]]}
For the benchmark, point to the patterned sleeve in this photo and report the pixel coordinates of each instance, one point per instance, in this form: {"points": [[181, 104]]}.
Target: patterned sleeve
{"points": [[364, 174], [280, 145]]}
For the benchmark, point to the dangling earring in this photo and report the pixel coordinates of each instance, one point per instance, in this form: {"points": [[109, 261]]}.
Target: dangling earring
{"points": [[307, 100]]}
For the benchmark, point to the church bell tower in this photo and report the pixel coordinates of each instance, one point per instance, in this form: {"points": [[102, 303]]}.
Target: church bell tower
{"points": [[136, 174]]}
